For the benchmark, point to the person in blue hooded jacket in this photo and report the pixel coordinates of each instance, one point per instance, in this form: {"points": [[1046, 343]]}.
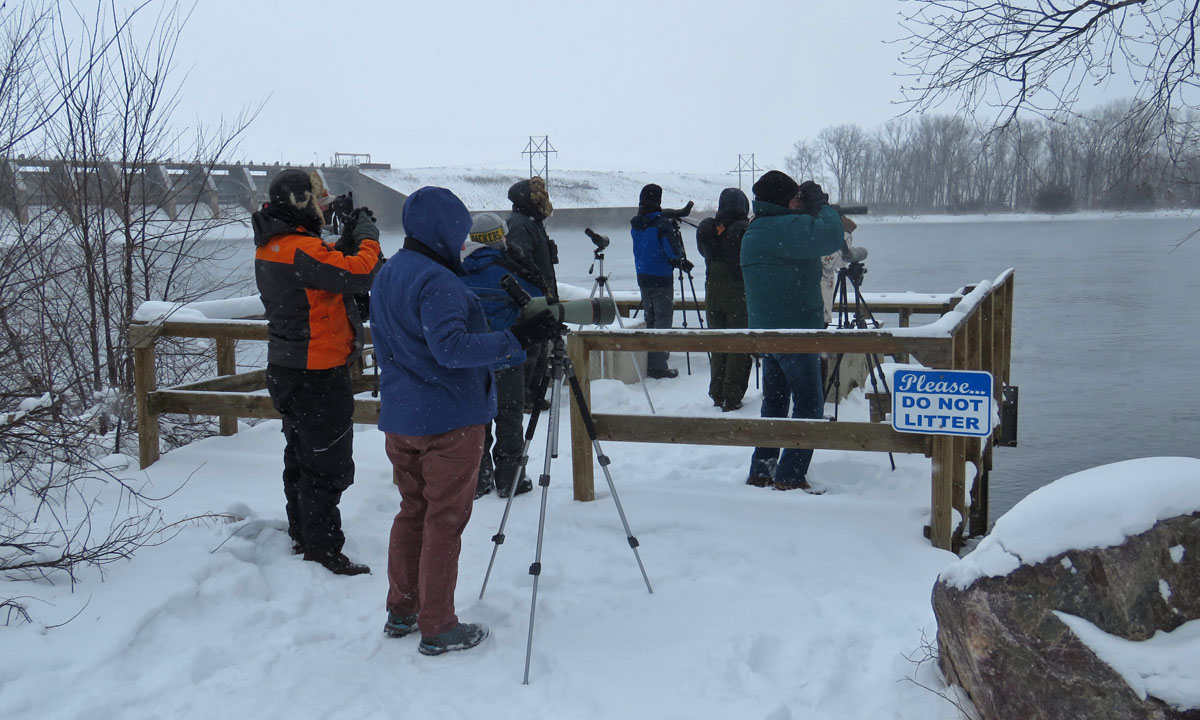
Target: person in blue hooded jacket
{"points": [[435, 353], [657, 252], [486, 261], [793, 228]]}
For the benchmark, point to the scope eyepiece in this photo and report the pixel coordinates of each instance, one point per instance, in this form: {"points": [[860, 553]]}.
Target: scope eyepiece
{"points": [[515, 291], [600, 241], [682, 212]]}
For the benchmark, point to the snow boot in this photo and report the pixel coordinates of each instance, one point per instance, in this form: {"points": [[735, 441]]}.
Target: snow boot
{"points": [[337, 563], [802, 485], [398, 625], [462, 636], [524, 485]]}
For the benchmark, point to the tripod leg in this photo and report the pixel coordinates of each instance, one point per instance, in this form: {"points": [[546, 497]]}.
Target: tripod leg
{"points": [[597, 286], [498, 538], [581, 403], [636, 368], [872, 368], [835, 383], [683, 298], [535, 569]]}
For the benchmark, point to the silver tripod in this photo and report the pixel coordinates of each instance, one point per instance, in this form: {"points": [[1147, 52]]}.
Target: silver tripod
{"points": [[560, 369], [600, 285]]}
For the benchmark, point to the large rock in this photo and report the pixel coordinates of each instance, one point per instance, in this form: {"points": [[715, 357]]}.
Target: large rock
{"points": [[1000, 639]]}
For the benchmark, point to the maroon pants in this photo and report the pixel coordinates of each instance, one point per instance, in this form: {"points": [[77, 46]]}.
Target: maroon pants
{"points": [[436, 475]]}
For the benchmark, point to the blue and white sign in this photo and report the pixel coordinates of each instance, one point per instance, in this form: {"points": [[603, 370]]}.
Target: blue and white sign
{"points": [[942, 402]]}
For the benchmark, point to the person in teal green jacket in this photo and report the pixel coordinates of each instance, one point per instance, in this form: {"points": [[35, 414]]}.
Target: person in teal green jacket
{"points": [[793, 228]]}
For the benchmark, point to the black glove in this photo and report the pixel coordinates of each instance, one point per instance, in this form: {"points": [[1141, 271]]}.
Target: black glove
{"points": [[686, 265], [365, 227], [540, 328], [812, 197]]}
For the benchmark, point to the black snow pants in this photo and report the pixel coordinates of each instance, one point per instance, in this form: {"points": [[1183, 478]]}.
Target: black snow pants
{"points": [[501, 461], [318, 464]]}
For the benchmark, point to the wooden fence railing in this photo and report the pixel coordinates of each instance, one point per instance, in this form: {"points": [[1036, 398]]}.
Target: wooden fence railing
{"points": [[974, 335]]}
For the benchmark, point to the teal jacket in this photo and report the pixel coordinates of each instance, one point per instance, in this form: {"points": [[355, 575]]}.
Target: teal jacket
{"points": [[781, 265]]}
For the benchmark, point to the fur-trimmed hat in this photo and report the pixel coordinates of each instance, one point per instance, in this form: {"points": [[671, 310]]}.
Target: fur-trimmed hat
{"points": [[539, 195], [775, 187], [650, 199], [488, 229], [301, 193]]}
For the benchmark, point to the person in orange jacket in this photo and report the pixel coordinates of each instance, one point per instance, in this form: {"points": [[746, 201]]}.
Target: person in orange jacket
{"points": [[314, 334]]}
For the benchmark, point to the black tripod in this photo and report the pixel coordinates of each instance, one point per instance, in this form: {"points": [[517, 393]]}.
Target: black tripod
{"points": [[862, 319], [683, 294], [560, 369]]}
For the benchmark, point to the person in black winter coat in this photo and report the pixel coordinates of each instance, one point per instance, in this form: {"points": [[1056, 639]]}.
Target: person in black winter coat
{"points": [[314, 335], [720, 242], [528, 239]]}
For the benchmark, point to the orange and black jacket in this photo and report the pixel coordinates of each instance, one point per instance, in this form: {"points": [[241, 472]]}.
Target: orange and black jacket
{"points": [[308, 290]]}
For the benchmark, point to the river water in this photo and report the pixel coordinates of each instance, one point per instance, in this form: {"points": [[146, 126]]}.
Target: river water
{"points": [[1104, 328]]}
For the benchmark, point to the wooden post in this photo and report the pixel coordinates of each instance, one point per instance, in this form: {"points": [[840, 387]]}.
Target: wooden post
{"points": [[1009, 287], [144, 383], [942, 492], [581, 444], [961, 361], [227, 365], [944, 457]]}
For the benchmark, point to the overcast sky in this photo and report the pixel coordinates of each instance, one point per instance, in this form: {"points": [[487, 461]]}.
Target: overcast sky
{"points": [[615, 84]]}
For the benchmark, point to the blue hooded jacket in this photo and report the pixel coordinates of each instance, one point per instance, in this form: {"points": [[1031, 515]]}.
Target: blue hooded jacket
{"points": [[653, 248], [483, 274], [431, 337]]}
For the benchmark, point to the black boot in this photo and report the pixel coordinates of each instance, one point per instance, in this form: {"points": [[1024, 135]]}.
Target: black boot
{"points": [[337, 563]]}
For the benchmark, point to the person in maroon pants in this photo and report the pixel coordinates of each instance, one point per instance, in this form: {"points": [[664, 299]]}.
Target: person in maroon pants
{"points": [[437, 392]]}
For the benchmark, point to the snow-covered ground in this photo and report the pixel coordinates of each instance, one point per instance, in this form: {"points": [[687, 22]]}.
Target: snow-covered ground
{"points": [[765, 604]]}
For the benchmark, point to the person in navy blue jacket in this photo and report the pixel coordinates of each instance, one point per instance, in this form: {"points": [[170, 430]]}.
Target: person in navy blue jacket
{"points": [[435, 353], [486, 260], [657, 251]]}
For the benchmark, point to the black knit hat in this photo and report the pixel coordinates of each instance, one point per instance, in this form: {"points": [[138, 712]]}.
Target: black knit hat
{"points": [[775, 187], [650, 200]]}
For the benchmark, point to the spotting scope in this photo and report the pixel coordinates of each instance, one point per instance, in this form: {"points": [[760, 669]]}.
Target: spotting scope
{"points": [[593, 311]]}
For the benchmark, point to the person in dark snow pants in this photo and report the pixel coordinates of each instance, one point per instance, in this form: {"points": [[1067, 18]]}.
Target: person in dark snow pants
{"points": [[314, 333]]}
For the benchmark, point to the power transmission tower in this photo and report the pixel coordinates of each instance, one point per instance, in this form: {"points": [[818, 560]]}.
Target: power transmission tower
{"points": [[539, 146], [745, 164]]}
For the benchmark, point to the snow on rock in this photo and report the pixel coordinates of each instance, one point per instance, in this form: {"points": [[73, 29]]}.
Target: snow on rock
{"points": [[1167, 666], [1095, 508]]}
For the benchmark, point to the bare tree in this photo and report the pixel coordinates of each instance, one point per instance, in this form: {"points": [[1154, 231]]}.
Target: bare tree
{"points": [[99, 104], [1036, 55], [804, 163], [843, 147]]}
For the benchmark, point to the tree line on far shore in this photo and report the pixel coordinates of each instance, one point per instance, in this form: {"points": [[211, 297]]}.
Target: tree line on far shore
{"points": [[1120, 156]]}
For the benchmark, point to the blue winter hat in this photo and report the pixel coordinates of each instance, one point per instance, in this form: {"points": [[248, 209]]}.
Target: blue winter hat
{"points": [[438, 220]]}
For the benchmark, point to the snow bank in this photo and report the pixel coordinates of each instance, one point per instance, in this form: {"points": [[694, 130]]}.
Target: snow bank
{"points": [[488, 189], [229, 309]]}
